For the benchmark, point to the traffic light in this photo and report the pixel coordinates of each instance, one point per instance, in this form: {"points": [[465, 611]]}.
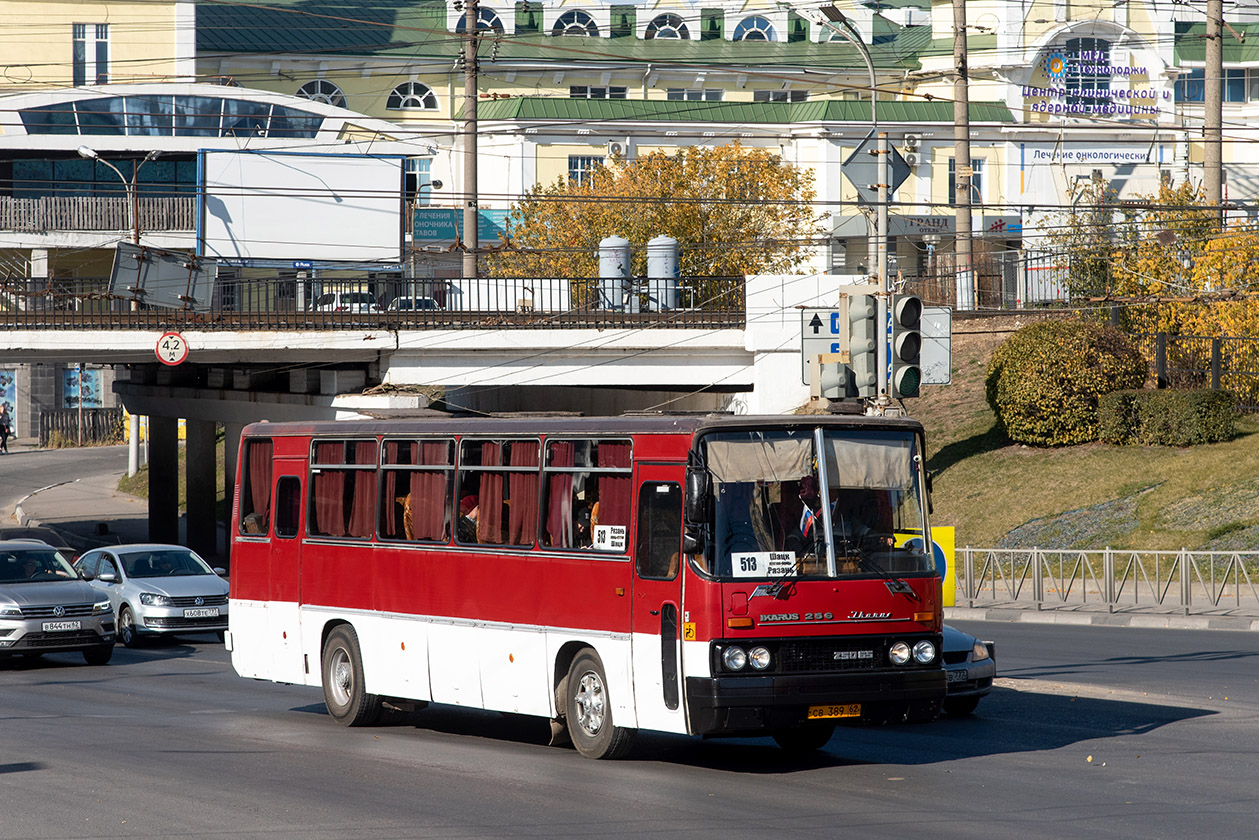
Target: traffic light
{"points": [[863, 336], [906, 345]]}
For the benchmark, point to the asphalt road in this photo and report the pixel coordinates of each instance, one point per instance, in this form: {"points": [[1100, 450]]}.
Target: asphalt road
{"points": [[24, 471], [1093, 731]]}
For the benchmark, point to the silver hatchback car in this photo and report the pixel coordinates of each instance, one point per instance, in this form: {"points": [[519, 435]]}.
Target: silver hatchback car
{"points": [[45, 607], [157, 589]]}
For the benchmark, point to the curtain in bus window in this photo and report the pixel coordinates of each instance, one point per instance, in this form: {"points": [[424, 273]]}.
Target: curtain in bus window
{"points": [[392, 503], [328, 487], [489, 528], [259, 467], [614, 490], [522, 515], [363, 509], [875, 463], [559, 515], [430, 494], [732, 461]]}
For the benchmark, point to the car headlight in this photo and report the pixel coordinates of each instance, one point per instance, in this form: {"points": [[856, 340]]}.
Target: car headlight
{"points": [[979, 652], [154, 600], [759, 658], [10, 610], [101, 607], [924, 652], [899, 653], [734, 658]]}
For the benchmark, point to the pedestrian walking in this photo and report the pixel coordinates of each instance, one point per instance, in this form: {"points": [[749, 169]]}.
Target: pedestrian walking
{"points": [[5, 430]]}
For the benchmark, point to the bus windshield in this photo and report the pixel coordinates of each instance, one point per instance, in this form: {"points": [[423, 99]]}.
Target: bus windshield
{"points": [[815, 503]]}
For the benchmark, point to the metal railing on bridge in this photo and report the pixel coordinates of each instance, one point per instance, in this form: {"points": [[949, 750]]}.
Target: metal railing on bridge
{"points": [[1117, 580], [337, 303], [96, 213]]}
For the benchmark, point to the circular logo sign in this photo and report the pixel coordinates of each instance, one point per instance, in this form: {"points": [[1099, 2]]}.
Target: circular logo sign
{"points": [[172, 349]]}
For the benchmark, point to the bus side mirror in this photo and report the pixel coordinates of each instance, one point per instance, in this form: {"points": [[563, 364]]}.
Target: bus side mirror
{"points": [[696, 495]]}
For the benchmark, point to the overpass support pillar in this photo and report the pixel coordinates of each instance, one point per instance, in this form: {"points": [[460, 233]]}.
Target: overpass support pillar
{"points": [[201, 487], [163, 479], [231, 453]]}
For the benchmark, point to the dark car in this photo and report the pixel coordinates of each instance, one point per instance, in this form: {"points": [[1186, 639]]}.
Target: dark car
{"points": [[44, 535], [969, 666]]}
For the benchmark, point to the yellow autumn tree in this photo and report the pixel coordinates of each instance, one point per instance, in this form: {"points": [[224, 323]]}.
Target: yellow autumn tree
{"points": [[734, 211]]}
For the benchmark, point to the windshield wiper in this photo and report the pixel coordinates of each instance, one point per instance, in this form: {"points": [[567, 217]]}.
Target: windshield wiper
{"points": [[777, 589], [895, 585]]}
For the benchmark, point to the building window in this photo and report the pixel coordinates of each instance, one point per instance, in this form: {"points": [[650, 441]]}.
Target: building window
{"points": [[588, 92], [91, 54], [412, 96], [755, 28], [780, 95], [695, 94], [419, 179], [487, 20], [667, 26], [1235, 85], [976, 181], [576, 23], [322, 90], [580, 167], [1087, 80], [1191, 88]]}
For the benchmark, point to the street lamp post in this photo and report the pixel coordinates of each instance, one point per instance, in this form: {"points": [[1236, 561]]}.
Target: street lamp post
{"points": [[846, 30], [131, 185]]}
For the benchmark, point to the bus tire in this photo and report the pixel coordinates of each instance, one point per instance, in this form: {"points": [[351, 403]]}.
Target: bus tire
{"points": [[804, 739], [344, 689], [588, 711]]}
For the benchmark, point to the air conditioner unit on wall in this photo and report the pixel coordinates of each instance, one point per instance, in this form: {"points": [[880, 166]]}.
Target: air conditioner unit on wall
{"points": [[618, 148], [911, 159], [912, 141]]}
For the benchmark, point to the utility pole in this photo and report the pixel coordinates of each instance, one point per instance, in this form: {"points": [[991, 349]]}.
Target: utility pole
{"points": [[471, 232], [1213, 110], [966, 291]]}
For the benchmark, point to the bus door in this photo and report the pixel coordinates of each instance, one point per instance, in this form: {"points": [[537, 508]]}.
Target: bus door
{"points": [[284, 583], [656, 616]]}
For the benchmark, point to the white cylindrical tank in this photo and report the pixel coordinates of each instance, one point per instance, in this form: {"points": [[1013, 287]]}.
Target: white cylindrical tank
{"points": [[614, 271], [662, 272]]}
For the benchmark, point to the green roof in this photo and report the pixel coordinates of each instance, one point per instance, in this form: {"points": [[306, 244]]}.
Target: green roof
{"points": [[416, 30], [1191, 43], [819, 110]]}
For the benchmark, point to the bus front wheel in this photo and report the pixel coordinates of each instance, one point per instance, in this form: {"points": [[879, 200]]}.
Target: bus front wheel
{"points": [[588, 711], [343, 688]]}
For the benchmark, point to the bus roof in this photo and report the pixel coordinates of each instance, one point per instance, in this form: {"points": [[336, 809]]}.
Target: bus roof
{"points": [[560, 424]]}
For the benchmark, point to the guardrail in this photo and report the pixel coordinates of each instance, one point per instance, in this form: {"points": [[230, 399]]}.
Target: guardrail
{"points": [[338, 303], [1115, 579]]}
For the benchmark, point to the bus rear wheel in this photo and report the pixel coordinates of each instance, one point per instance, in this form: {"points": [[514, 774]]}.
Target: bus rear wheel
{"points": [[344, 691], [588, 711]]}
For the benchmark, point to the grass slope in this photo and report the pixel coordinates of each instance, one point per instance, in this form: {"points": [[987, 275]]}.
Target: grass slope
{"points": [[1090, 496]]}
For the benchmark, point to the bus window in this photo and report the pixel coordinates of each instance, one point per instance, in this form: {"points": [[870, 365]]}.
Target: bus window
{"points": [[659, 530], [417, 478], [342, 488], [588, 494], [498, 492], [255, 495], [288, 501]]}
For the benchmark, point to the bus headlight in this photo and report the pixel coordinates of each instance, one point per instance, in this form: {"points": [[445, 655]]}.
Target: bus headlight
{"points": [[734, 658], [924, 652], [899, 653], [759, 658]]}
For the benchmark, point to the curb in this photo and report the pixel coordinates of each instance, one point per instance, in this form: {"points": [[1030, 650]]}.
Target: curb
{"points": [[20, 515], [1138, 620]]}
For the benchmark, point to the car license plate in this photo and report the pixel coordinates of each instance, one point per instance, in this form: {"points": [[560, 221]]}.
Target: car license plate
{"points": [[61, 626], [202, 613], [841, 711], [955, 676]]}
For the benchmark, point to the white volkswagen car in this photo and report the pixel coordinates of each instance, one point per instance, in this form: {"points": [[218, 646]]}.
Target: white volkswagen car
{"points": [[158, 590]]}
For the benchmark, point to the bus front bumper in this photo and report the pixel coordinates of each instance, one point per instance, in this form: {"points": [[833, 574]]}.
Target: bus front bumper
{"points": [[739, 705]]}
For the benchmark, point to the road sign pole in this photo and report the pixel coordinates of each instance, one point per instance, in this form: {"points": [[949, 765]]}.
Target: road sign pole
{"points": [[884, 356]]}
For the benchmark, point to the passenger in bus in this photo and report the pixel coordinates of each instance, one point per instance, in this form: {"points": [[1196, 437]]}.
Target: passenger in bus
{"points": [[583, 534], [469, 513]]}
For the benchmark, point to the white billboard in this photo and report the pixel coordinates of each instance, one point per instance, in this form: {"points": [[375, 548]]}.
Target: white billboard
{"points": [[300, 206]]}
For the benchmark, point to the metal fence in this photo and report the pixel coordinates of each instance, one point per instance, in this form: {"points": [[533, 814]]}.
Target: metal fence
{"points": [[76, 427], [1003, 280], [386, 302], [113, 213], [1184, 581], [1195, 361]]}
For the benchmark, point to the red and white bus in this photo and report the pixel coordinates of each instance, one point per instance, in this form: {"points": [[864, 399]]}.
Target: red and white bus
{"points": [[714, 575]]}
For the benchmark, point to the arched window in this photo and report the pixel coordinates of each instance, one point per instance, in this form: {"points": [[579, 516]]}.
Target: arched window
{"points": [[486, 19], [668, 26], [755, 28], [1085, 75], [576, 22], [322, 90], [412, 96]]}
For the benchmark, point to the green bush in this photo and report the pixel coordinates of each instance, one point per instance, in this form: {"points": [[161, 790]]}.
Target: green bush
{"points": [[1166, 418], [1044, 381]]}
